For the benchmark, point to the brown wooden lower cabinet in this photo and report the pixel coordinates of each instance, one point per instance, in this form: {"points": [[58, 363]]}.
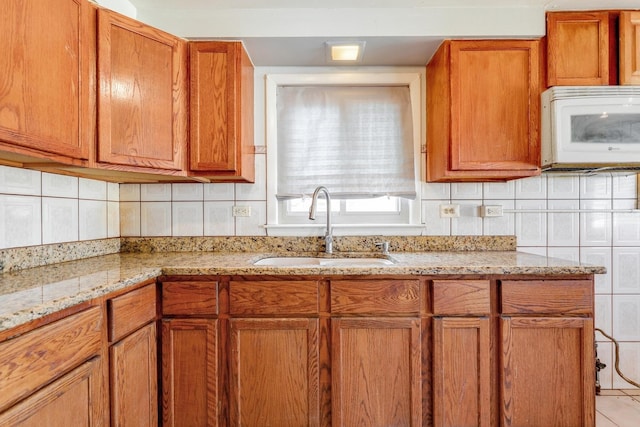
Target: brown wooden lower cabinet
{"points": [[548, 372], [461, 372], [312, 351], [190, 372], [375, 371], [73, 400], [274, 367], [134, 379]]}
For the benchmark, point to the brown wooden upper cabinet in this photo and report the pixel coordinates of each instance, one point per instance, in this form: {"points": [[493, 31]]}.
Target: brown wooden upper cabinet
{"points": [[582, 48], [483, 110], [142, 97], [630, 47], [221, 112], [593, 48], [44, 80]]}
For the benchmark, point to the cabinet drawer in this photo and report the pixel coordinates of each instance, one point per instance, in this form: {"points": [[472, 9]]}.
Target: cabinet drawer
{"points": [[273, 297], [31, 360], [461, 297], [190, 298], [375, 296], [547, 296], [130, 311]]}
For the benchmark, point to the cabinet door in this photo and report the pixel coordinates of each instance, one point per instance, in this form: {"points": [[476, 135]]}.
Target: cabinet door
{"points": [[221, 112], [630, 47], [553, 360], [275, 377], [376, 372], [581, 48], [190, 372], [483, 111], [44, 78], [461, 372], [72, 400], [134, 376], [142, 95]]}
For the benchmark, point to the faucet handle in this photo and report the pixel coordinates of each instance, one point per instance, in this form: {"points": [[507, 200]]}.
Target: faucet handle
{"points": [[384, 246]]}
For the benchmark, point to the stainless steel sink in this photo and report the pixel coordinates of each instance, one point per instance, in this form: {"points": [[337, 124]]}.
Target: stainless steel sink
{"points": [[295, 261]]}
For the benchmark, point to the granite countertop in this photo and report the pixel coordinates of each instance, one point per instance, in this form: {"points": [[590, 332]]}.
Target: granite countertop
{"points": [[32, 293]]}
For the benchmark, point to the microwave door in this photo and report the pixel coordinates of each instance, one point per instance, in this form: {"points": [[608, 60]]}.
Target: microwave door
{"points": [[601, 132]]}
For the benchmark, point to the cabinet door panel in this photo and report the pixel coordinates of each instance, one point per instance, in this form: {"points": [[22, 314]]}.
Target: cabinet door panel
{"points": [[483, 110], [493, 82], [44, 80], [190, 372], [630, 47], [142, 97], [376, 372], [73, 400], [553, 360], [275, 376], [221, 142], [134, 389], [461, 372], [581, 49]]}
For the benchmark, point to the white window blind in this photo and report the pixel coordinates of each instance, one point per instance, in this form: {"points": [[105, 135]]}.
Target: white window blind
{"points": [[355, 140]]}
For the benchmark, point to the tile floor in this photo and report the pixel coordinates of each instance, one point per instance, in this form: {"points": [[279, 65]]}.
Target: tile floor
{"points": [[618, 408]]}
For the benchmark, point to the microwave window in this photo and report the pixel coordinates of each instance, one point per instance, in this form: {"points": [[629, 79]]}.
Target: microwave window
{"points": [[605, 128]]}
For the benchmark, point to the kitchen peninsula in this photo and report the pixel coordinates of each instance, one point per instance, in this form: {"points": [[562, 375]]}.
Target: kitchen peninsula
{"points": [[479, 336]]}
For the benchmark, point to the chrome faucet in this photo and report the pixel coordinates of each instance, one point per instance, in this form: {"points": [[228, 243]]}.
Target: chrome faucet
{"points": [[328, 236]]}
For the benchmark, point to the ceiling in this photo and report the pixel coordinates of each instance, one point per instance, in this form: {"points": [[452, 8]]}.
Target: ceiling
{"points": [[396, 32]]}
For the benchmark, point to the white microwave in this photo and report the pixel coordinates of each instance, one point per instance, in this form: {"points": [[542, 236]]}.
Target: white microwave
{"points": [[590, 127]]}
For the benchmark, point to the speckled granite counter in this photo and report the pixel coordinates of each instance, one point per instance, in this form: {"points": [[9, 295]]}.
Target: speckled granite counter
{"points": [[33, 293]]}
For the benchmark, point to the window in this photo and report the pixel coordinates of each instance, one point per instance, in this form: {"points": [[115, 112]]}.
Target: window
{"points": [[356, 134]]}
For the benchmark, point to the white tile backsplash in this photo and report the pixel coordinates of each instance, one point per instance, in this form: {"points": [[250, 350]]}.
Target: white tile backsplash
{"points": [[218, 219], [435, 191], [129, 192], [93, 219], [187, 192], [499, 190], [222, 191], [531, 226], [92, 189], [155, 219], [24, 182], [59, 185], [563, 228], [561, 186], [59, 220], [155, 192], [595, 186], [434, 225], [187, 219], [534, 187], [20, 221]]}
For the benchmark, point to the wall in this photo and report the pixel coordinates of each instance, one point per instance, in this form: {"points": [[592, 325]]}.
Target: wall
{"points": [[41, 208]]}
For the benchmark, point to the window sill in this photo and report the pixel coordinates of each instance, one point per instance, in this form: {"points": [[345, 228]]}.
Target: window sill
{"points": [[345, 229]]}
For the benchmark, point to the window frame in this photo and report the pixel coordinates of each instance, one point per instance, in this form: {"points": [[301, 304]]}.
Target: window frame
{"points": [[414, 80]]}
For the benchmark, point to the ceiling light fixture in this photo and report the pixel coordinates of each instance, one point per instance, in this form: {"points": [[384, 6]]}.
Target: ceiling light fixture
{"points": [[344, 51]]}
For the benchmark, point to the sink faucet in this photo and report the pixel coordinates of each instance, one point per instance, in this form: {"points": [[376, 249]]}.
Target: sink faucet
{"points": [[328, 237]]}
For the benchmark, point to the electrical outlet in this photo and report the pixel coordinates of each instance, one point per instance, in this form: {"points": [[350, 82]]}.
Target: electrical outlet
{"points": [[449, 211], [491, 210], [242, 211]]}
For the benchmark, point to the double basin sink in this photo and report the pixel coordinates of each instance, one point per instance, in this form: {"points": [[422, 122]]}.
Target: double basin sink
{"points": [[323, 261]]}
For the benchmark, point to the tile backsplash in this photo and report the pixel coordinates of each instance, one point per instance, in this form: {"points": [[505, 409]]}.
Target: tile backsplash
{"points": [[39, 208], [588, 218]]}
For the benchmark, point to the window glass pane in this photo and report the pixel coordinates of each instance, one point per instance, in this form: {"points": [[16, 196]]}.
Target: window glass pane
{"points": [[379, 204]]}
